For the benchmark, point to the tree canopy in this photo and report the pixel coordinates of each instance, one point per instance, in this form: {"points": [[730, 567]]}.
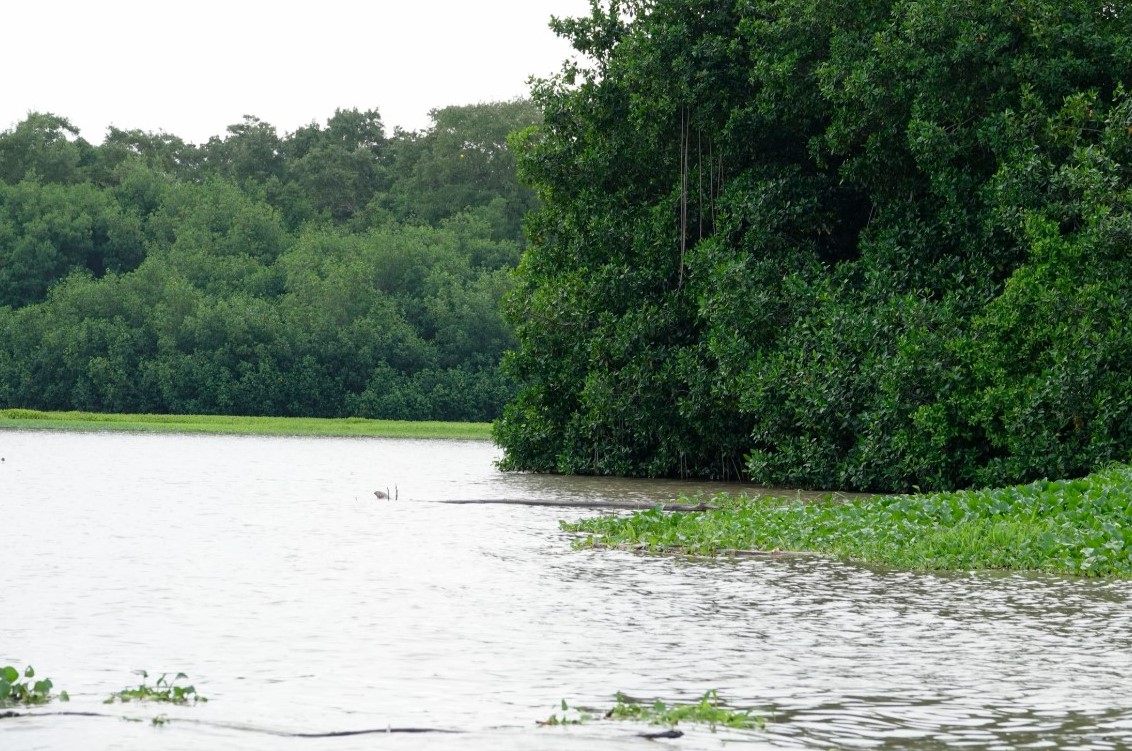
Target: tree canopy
{"points": [[331, 272], [867, 245]]}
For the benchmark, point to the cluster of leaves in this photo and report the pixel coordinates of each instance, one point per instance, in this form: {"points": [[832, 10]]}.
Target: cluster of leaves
{"points": [[1079, 527], [709, 710], [331, 272], [13, 690], [163, 690], [856, 245], [570, 716]]}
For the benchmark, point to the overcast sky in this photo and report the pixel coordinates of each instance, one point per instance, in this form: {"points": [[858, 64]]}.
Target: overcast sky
{"points": [[193, 68]]}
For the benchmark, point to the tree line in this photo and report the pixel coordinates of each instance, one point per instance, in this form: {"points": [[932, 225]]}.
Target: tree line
{"points": [[848, 244], [332, 271]]}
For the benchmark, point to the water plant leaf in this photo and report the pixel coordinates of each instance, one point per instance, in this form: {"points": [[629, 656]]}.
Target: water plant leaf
{"points": [[13, 690], [709, 710], [163, 690]]}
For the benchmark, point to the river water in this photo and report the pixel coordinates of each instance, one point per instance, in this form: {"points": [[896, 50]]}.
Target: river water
{"points": [[296, 602]]}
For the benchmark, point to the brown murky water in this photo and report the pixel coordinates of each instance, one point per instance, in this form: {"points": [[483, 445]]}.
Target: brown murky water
{"points": [[296, 602]]}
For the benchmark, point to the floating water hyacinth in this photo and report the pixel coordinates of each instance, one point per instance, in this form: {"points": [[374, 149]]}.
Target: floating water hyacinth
{"points": [[163, 690], [1081, 527], [14, 691]]}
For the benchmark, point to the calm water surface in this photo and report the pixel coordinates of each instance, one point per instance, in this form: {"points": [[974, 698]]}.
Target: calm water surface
{"points": [[265, 569]]}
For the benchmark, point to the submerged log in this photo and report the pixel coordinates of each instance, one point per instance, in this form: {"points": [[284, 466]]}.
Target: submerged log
{"points": [[243, 727], [634, 505], [7, 715]]}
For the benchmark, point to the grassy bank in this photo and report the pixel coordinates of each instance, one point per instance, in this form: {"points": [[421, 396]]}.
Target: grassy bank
{"points": [[225, 424], [1081, 527]]}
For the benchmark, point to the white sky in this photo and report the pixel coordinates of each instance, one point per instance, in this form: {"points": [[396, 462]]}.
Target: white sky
{"points": [[192, 69]]}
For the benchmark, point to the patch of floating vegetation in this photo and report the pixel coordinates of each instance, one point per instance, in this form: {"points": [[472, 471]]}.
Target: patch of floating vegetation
{"points": [[163, 690], [709, 710], [25, 691], [1081, 527]]}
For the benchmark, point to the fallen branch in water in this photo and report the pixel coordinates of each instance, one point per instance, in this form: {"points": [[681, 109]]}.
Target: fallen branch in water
{"points": [[244, 728], [287, 734], [628, 504]]}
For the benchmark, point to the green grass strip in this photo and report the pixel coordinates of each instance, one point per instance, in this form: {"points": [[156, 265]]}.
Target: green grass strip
{"points": [[1080, 527], [227, 424]]}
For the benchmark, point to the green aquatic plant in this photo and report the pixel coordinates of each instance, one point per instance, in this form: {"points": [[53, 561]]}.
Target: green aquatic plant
{"points": [[1081, 527], [15, 691], [570, 716], [709, 710], [163, 690]]}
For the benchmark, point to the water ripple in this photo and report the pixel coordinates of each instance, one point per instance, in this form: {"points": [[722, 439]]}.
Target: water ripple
{"points": [[265, 569]]}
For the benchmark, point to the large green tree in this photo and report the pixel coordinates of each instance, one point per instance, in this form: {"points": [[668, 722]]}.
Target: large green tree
{"points": [[49, 230], [340, 166], [463, 163], [775, 237], [42, 147]]}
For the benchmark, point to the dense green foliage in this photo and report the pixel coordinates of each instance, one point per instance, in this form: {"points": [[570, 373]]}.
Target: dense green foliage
{"points": [[1075, 527], [331, 272], [857, 245]]}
